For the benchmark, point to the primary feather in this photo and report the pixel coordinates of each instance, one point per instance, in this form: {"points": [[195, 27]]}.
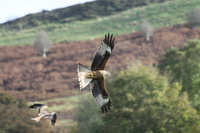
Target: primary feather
{"points": [[103, 53]]}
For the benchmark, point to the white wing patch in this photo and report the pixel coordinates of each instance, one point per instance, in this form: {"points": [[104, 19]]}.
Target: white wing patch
{"points": [[83, 81], [100, 101], [103, 48], [42, 110]]}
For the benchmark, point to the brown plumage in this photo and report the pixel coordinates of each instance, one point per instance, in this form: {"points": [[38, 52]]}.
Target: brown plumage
{"points": [[94, 77]]}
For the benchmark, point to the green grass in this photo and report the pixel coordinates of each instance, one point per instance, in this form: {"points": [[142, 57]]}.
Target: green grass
{"points": [[159, 15], [67, 103]]}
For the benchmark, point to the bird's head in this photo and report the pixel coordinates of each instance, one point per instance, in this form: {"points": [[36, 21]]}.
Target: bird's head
{"points": [[52, 113], [107, 73]]}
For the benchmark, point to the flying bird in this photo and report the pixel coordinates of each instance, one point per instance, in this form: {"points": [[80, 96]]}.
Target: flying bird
{"points": [[43, 113], [94, 77]]}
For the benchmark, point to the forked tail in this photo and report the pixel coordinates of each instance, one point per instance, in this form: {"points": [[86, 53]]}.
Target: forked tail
{"points": [[83, 81]]}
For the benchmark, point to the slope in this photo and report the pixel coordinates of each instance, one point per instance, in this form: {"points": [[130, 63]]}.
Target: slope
{"points": [[24, 74], [159, 15]]}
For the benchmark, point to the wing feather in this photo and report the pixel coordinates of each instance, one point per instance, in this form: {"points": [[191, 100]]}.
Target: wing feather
{"points": [[103, 53], [53, 119], [36, 106], [41, 108], [100, 94]]}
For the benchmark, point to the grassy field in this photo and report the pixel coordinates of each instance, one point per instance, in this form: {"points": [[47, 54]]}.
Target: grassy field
{"points": [[159, 15]]}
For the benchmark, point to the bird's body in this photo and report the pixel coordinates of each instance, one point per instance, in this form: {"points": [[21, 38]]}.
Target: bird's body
{"points": [[94, 76], [43, 113]]}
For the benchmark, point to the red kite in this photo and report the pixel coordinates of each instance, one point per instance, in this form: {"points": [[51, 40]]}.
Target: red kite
{"points": [[43, 113], [94, 77]]}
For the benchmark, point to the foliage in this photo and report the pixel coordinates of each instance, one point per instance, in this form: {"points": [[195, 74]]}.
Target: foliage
{"points": [[194, 17], [87, 117], [159, 15], [6, 99], [184, 67], [79, 12], [15, 117], [145, 102], [42, 42]]}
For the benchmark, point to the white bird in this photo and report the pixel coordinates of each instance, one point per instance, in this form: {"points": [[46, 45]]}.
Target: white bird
{"points": [[43, 113]]}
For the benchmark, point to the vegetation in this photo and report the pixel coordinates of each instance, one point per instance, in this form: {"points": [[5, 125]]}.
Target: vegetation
{"points": [[87, 117], [194, 17], [183, 65], [143, 101], [141, 98], [159, 15], [77, 12], [144, 98], [15, 117]]}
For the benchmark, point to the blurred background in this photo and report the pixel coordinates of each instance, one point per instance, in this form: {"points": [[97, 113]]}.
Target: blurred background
{"points": [[155, 65]]}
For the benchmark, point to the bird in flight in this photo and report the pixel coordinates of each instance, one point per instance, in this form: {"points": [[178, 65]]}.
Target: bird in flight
{"points": [[94, 77], [43, 113]]}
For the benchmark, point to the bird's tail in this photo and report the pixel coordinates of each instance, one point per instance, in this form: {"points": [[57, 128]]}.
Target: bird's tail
{"points": [[37, 119], [83, 80]]}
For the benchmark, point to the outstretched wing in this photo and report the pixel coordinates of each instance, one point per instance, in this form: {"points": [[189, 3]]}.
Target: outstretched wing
{"points": [[53, 119], [103, 53], [100, 94], [41, 108], [36, 106]]}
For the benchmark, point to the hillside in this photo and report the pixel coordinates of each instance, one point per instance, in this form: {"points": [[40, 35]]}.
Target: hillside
{"points": [[124, 22], [24, 74], [77, 12]]}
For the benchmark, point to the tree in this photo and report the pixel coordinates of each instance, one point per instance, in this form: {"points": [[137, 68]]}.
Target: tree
{"points": [[183, 66], [88, 117], [6, 99], [193, 17], [42, 43], [144, 102], [146, 29], [15, 117]]}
